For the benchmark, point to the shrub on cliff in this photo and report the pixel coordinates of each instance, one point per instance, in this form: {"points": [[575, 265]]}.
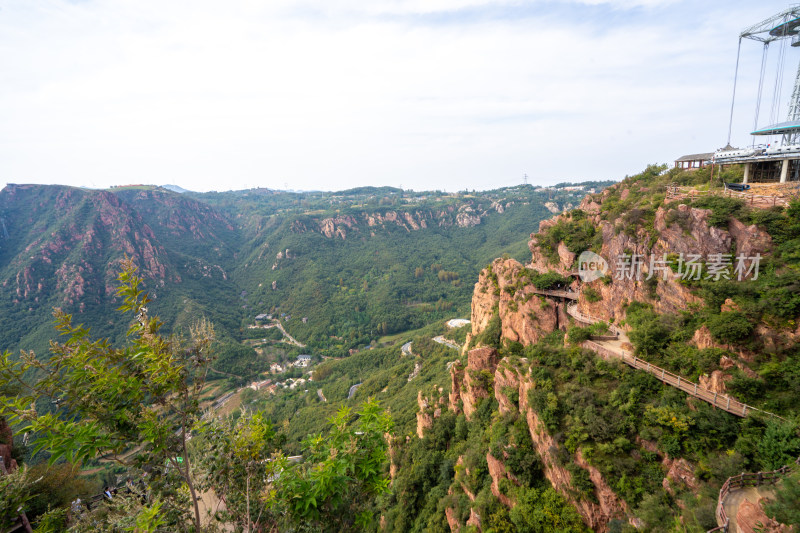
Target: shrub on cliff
{"points": [[549, 281], [491, 336], [722, 209], [730, 326]]}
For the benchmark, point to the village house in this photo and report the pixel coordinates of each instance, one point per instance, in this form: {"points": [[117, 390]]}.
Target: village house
{"points": [[258, 385]]}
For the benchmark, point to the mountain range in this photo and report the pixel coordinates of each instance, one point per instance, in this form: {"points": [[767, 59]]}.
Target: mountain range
{"points": [[356, 264]]}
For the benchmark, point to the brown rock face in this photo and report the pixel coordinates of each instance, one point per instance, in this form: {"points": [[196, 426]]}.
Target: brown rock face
{"points": [[566, 257], [336, 226], [452, 519], [715, 382], [456, 380], [702, 338], [424, 419], [481, 363], [610, 503], [688, 232], [680, 471], [751, 518], [750, 240], [498, 471], [474, 520], [525, 317], [7, 446], [596, 516], [429, 409]]}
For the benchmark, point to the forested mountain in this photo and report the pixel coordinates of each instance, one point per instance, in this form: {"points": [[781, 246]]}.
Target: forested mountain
{"points": [[357, 264], [624, 405], [616, 403]]}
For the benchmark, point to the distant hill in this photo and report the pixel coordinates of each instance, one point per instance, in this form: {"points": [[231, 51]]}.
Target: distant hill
{"points": [[357, 264], [175, 188]]}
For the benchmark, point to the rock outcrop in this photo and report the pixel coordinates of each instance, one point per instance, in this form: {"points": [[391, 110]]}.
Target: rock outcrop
{"points": [[471, 383], [7, 446], [715, 382], [681, 472], [595, 515], [498, 471], [430, 408], [751, 518], [525, 316]]}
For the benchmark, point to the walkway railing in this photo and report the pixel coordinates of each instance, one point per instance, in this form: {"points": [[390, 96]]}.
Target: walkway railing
{"points": [[570, 295], [722, 401], [746, 480], [675, 192], [572, 310]]}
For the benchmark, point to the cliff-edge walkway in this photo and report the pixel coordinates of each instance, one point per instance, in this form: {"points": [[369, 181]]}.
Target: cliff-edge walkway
{"points": [[612, 349]]}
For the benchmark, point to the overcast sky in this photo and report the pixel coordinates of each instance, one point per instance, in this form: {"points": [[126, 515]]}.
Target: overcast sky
{"points": [[327, 94]]}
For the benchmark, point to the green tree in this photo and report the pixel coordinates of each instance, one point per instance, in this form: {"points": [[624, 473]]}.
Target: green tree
{"points": [[335, 486], [779, 446], [786, 506], [236, 463], [730, 326], [136, 405]]}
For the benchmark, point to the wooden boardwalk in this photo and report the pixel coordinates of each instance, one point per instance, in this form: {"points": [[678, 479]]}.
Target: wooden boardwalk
{"points": [[613, 350], [722, 401], [569, 295], [743, 481]]}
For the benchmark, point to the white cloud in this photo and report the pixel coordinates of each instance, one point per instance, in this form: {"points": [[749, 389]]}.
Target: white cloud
{"points": [[216, 95]]}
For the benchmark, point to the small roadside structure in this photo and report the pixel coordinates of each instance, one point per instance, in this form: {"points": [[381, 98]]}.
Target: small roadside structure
{"points": [[258, 385], [262, 317]]}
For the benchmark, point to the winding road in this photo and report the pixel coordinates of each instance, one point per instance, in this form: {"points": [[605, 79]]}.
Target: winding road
{"points": [[441, 340], [353, 390]]}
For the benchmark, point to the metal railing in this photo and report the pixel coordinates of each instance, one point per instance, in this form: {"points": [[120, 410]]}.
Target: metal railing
{"points": [[722, 401], [676, 192], [557, 294], [745, 480], [572, 310]]}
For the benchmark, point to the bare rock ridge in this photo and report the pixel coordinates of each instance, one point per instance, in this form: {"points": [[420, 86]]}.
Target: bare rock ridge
{"points": [[65, 261], [340, 226], [525, 316]]}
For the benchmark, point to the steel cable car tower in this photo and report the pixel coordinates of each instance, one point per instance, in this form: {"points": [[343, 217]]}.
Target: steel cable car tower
{"points": [[783, 27]]}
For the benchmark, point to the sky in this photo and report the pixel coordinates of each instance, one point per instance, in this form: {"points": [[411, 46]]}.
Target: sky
{"points": [[332, 94]]}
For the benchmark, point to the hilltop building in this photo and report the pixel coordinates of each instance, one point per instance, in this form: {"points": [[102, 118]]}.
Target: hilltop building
{"points": [[694, 160]]}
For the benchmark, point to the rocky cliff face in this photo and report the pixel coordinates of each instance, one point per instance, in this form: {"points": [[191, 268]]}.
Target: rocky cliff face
{"points": [[470, 385], [7, 446], [341, 226], [684, 230], [596, 515], [525, 316], [687, 231], [430, 408], [69, 234]]}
